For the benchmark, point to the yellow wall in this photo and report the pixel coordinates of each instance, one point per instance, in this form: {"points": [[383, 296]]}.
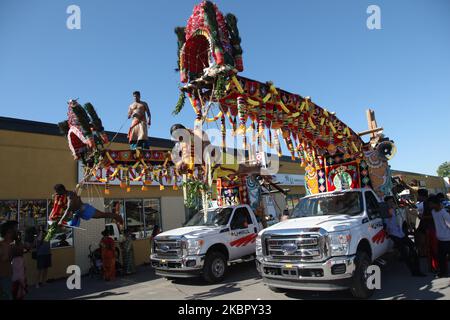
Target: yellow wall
{"points": [[141, 251], [32, 163]]}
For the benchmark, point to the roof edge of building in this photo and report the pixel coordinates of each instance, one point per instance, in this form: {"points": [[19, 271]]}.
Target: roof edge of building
{"points": [[30, 126], [414, 173], [37, 127]]}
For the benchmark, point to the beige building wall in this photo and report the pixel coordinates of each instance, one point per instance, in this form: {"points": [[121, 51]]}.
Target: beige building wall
{"points": [[91, 236], [174, 212]]}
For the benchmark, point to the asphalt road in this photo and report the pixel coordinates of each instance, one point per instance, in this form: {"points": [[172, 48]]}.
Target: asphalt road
{"points": [[242, 283]]}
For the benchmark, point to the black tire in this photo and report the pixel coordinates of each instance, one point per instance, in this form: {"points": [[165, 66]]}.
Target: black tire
{"points": [[215, 267], [359, 287]]}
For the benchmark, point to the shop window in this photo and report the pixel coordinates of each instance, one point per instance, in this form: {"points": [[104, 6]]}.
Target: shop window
{"points": [[8, 210], [134, 221], [32, 217], [115, 206], [140, 215], [152, 215]]}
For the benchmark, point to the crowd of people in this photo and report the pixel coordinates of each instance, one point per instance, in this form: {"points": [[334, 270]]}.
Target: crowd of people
{"points": [[114, 258], [431, 238], [13, 280]]}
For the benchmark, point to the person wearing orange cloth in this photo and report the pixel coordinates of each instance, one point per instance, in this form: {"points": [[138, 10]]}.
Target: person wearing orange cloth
{"points": [[108, 252]]}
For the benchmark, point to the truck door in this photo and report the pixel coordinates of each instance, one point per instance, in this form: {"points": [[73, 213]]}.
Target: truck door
{"points": [[243, 232], [378, 237]]}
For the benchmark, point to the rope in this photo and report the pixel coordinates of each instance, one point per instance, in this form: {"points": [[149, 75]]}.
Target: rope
{"points": [[117, 133]]}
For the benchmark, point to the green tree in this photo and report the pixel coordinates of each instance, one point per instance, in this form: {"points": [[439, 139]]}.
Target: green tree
{"points": [[444, 169]]}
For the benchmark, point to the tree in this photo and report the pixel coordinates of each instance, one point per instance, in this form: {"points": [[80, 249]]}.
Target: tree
{"points": [[444, 170]]}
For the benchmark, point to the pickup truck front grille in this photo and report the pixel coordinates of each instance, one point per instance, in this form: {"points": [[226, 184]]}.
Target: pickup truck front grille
{"points": [[168, 248], [303, 247]]}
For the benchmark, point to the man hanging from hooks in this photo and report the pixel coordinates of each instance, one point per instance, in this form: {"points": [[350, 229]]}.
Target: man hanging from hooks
{"points": [[138, 134], [76, 208]]}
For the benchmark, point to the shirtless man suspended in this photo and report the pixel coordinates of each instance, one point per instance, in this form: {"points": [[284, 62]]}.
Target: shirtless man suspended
{"points": [[80, 210], [138, 134]]}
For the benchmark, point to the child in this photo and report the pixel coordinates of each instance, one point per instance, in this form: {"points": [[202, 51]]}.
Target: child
{"points": [[19, 281]]}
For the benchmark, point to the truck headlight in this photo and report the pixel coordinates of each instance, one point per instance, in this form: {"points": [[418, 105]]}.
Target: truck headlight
{"points": [[259, 252], [340, 243], [192, 246]]}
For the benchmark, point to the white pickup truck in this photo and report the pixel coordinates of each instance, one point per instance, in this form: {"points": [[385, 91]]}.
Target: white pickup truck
{"points": [[207, 244], [328, 245]]}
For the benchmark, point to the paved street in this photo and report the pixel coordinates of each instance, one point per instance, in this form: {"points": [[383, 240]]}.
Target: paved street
{"points": [[243, 282]]}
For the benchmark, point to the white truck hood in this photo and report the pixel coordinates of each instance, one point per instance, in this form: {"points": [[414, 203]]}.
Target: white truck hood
{"points": [[191, 232], [328, 223]]}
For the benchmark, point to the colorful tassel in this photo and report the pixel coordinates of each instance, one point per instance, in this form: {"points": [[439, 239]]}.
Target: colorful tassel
{"points": [[223, 130], [242, 112]]}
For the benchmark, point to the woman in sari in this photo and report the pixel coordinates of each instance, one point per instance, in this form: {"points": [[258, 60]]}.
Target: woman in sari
{"points": [[108, 256], [128, 253]]}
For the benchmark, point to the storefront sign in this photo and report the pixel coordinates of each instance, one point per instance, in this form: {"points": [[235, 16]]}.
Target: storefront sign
{"points": [[116, 181], [290, 179]]}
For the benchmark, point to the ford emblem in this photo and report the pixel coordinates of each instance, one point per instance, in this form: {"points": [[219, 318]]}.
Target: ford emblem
{"points": [[164, 248], [289, 248]]}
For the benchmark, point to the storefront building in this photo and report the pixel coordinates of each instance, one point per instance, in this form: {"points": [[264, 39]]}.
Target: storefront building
{"points": [[34, 156]]}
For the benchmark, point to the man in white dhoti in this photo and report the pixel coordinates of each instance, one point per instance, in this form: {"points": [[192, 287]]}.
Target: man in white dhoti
{"points": [[138, 134]]}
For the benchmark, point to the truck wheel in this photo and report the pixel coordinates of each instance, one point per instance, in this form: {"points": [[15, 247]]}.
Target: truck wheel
{"points": [[359, 287], [215, 267]]}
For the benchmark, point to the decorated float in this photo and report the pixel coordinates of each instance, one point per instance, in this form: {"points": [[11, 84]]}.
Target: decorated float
{"points": [[333, 156]]}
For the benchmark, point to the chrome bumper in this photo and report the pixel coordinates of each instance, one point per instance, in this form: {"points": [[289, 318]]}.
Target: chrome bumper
{"points": [[184, 267], [332, 274]]}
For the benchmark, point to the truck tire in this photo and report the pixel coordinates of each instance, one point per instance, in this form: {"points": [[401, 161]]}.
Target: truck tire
{"points": [[215, 267], [359, 287]]}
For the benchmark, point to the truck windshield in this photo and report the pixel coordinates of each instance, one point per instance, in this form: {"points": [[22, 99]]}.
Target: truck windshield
{"points": [[348, 203], [214, 217]]}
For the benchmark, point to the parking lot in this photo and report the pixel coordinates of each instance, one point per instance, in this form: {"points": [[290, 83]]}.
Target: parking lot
{"points": [[242, 283]]}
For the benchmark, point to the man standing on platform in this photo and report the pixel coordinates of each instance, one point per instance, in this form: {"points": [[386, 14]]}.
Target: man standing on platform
{"points": [[137, 134]]}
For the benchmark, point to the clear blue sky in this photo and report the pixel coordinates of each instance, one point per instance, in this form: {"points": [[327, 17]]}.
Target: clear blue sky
{"points": [[315, 48]]}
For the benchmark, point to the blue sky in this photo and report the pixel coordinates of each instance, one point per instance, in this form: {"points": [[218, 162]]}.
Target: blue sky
{"points": [[321, 49]]}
